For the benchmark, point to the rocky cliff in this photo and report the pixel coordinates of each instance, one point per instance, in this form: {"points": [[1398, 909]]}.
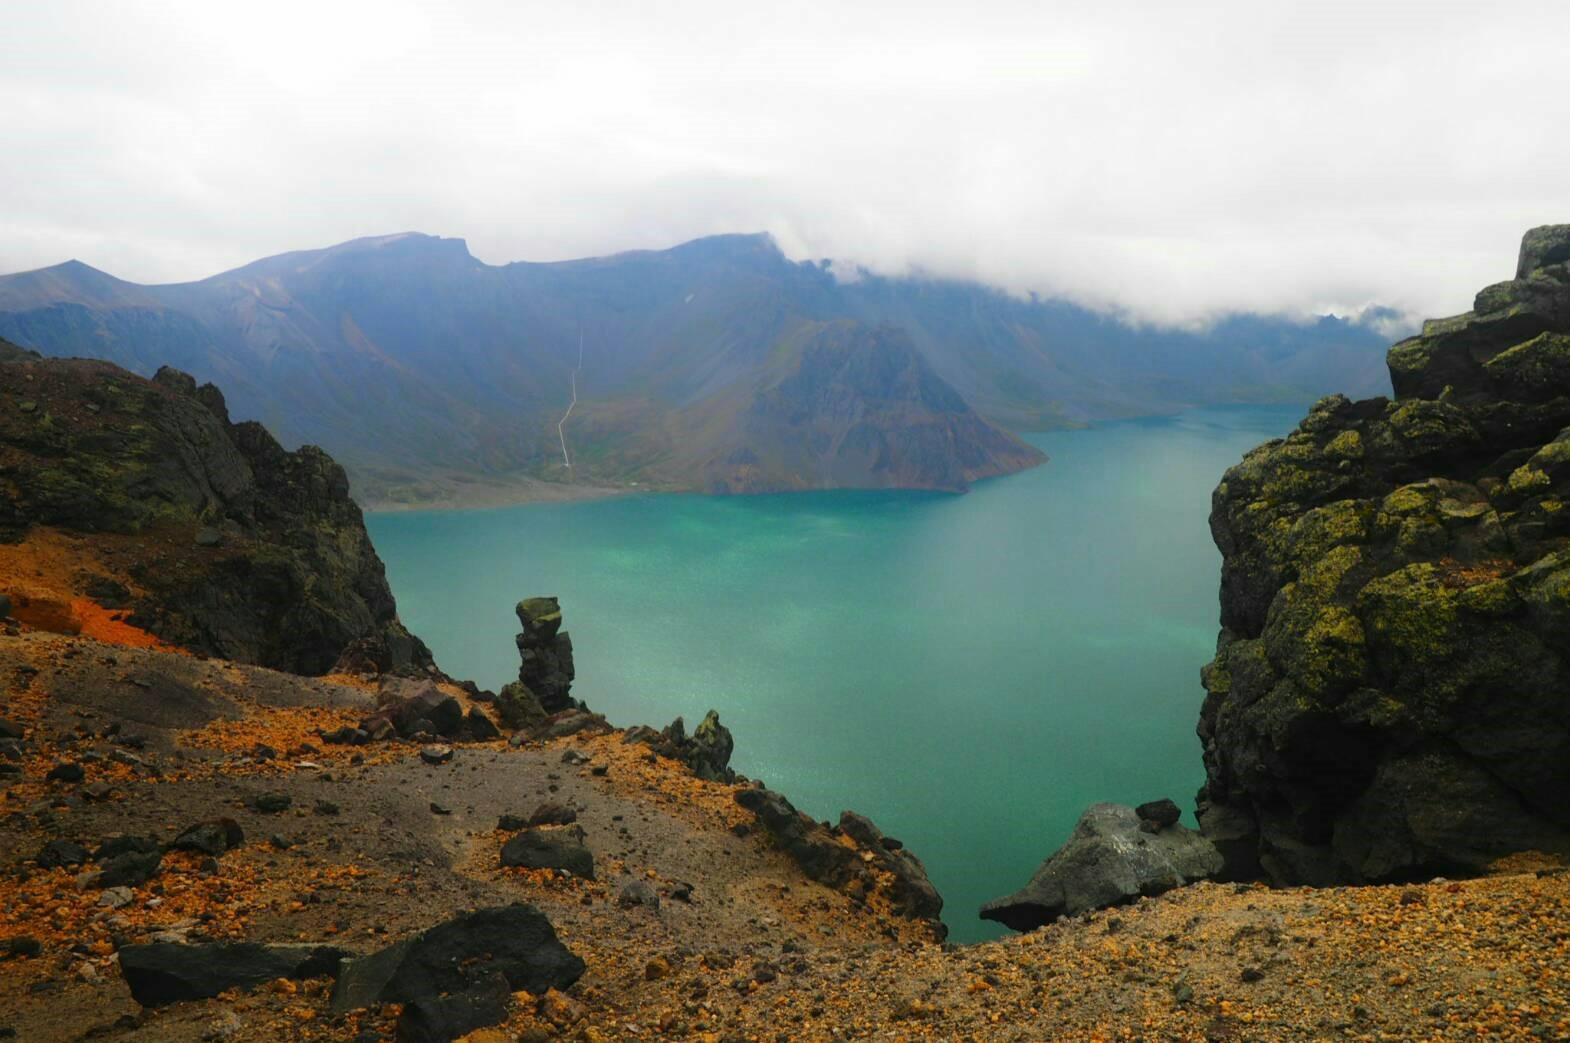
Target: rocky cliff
{"points": [[221, 542], [1390, 696]]}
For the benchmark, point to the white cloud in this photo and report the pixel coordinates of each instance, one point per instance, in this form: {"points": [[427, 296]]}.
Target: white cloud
{"points": [[1170, 161]]}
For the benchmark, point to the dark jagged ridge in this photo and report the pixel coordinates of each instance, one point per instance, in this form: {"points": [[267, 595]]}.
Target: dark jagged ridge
{"points": [[243, 550], [1390, 696]]}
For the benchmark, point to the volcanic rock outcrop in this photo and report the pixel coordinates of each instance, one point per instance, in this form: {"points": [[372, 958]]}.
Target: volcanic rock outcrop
{"points": [[1390, 697], [241, 549], [546, 672], [707, 751], [871, 863]]}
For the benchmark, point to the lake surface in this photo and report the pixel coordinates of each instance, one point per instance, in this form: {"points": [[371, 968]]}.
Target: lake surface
{"points": [[969, 671]]}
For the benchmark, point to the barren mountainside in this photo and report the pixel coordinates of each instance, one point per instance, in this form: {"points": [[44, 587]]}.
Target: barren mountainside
{"points": [[426, 371]]}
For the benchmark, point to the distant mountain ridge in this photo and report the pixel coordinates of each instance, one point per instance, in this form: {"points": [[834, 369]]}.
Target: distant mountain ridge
{"points": [[422, 368]]}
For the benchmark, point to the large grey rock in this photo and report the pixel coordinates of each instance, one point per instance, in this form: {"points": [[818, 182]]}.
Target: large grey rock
{"points": [[171, 972], [1108, 860]]}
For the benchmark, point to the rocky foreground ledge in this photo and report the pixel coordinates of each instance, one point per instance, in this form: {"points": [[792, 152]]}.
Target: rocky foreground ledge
{"points": [[190, 859]]}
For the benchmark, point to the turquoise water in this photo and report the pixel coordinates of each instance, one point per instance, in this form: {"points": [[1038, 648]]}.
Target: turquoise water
{"points": [[970, 671]]}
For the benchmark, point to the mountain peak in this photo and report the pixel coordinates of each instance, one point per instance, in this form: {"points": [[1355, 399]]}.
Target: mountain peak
{"points": [[412, 245], [71, 280]]}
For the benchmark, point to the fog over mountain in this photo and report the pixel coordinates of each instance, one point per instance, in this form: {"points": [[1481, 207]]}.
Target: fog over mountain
{"points": [[1174, 163]]}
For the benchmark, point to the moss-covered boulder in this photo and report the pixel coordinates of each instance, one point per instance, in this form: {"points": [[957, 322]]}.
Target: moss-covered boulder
{"points": [[1390, 696], [238, 548]]}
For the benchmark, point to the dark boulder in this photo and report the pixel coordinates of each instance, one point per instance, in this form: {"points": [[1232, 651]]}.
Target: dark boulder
{"points": [[171, 972], [551, 814], [413, 707], [479, 726], [131, 869], [1156, 815], [446, 976], [1390, 696], [441, 1019], [66, 771], [210, 838], [122, 844], [61, 854], [561, 849], [1108, 860], [272, 802]]}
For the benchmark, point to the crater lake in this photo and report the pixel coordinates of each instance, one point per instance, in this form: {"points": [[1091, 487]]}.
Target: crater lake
{"points": [[968, 671]]}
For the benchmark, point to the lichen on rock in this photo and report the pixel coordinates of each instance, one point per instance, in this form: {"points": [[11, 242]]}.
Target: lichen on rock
{"points": [[1394, 659]]}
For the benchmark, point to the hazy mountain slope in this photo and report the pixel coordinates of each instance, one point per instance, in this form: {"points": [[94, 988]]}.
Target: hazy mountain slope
{"points": [[843, 404], [412, 361]]}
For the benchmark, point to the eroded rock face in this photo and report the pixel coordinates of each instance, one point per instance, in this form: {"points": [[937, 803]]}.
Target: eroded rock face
{"points": [[1113, 856], [248, 552], [1390, 696]]}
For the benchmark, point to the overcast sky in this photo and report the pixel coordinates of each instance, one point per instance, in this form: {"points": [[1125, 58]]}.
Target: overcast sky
{"points": [[1172, 160]]}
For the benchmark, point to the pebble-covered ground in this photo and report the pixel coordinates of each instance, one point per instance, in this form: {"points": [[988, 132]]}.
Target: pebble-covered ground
{"points": [[374, 844]]}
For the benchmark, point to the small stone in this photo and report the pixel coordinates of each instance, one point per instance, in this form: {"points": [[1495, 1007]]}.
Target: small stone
{"points": [[638, 892], [436, 754], [440, 809], [657, 968], [116, 897], [326, 807], [1251, 974], [272, 803]]}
